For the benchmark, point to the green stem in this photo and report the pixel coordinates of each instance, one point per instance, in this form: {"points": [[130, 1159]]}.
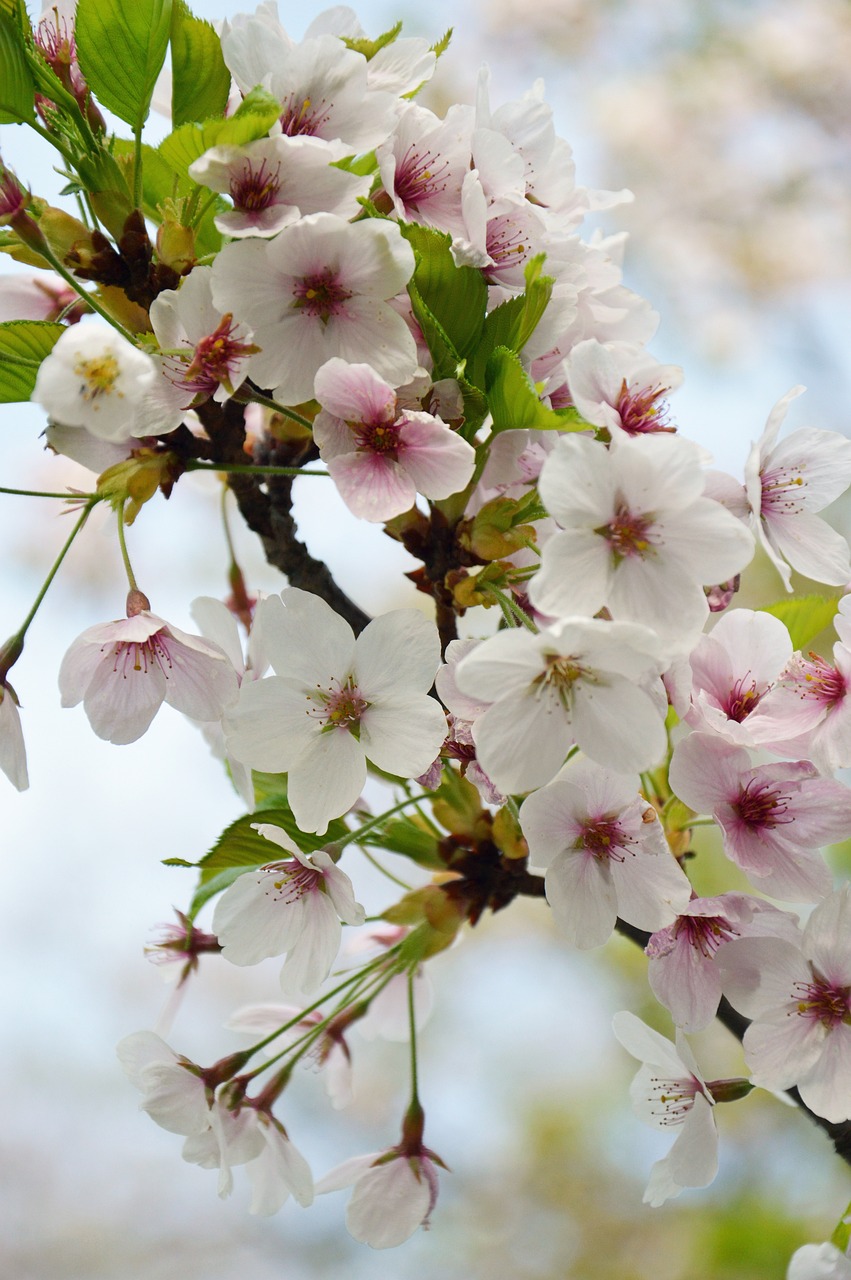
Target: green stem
{"points": [[514, 609], [256, 397], [249, 469], [66, 497], [22, 631], [52, 139], [412, 1024], [385, 872], [512, 807], [339, 845], [89, 298], [137, 168], [131, 577]]}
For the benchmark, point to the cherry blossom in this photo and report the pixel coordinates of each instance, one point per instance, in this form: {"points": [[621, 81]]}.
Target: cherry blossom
{"points": [[294, 905], [336, 702], [605, 854], [176, 1095], [774, 818], [96, 379], [669, 1090], [379, 455], [216, 347], [681, 968], [423, 165], [807, 709], [395, 1192], [321, 288], [13, 755], [819, 1262], [252, 1137], [123, 671], [787, 483], [577, 682], [323, 87], [330, 1054], [620, 387], [638, 536], [275, 181], [733, 668], [799, 1000]]}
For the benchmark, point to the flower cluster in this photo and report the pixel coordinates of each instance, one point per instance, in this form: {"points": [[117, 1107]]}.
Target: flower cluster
{"points": [[344, 285]]}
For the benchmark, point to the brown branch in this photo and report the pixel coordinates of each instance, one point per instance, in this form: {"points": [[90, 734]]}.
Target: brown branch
{"points": [[266, 506], [737, 1024]]}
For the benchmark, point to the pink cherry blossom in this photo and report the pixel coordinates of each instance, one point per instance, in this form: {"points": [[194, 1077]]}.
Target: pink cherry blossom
{"points": [[670, 1091], [423, 164], [605, 853], [295, 906], [620, 387], [774, 818], [808, 710], [379, 455], [799, 999], [123, 671], [275, 181], [681, 968], [733, 668]]}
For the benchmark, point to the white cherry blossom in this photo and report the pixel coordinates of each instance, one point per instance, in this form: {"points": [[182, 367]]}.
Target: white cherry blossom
{"points": [[670, 1091], [638, 536], [605, 854], [293, 906], [321, 288], [96, 379], [13, 755], [787, 482], [580, 681], [337, 702]]}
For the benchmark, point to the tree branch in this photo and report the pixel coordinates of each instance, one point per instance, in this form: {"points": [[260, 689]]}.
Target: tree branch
{"points": [[265, 504]]}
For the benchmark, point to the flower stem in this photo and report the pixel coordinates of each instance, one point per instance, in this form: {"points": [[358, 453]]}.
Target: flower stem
{"points": [[89, 298], [22, 631], [137, 168], [68, 496], [412, 1025], [339, 845], [385, 872], [256, 397], [239, 468], [510, 608], [131, 577]]}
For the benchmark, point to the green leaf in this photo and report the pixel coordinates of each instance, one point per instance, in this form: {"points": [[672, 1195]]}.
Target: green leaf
{"points": [[513, 400], [369, 48], [407, 837], [23, 346], [513, 322], [200, 79], [442, 44], [110, 194], [804, 617], [17, 88], [121, 47], [240, 846], [256, 115], [454, 298]]}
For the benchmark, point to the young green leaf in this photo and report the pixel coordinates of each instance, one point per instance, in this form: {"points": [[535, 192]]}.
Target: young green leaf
{"points": [[23, 346], [456, 297], [513, 400], [254, 118], [200, 79], [121, 48], [17, 89], [804, 617]]}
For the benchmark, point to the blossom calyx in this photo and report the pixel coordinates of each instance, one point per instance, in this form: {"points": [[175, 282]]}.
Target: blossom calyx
{"points": [[495, 531]]}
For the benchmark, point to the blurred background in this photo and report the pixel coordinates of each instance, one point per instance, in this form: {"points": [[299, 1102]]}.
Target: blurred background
{"points": [[730, 122]]}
